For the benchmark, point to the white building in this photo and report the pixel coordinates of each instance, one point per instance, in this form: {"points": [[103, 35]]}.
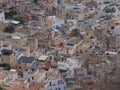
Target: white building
{"points": [[55, 84], [56, 22], [70, 64], [2, 16]]}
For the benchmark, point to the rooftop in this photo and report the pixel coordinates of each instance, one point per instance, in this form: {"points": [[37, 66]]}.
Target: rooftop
{"points": [[47, 65], [6, 52], [43, 57], [25, 59], [79, 69], [36, 85], [71, 42], [115, 80], [14, 88], [1, 11], [3, 74]]}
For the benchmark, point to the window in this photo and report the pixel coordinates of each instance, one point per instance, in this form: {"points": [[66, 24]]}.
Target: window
{"points": [[19, 67], [28, 80], [59, 88], [56, 26], [32, 78]]}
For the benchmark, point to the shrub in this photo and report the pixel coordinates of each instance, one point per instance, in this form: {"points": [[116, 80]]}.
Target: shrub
{"points": [[10, 14], [6, 66], [9, 29]]}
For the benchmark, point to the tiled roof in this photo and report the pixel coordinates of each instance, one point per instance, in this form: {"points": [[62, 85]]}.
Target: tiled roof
{"points": [[79, 69], [14, 88], [36, 85], [47, 65]]}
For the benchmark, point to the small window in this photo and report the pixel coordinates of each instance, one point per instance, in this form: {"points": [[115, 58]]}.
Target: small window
{"points": [[32, 78], [19, 67], [59, 88]]}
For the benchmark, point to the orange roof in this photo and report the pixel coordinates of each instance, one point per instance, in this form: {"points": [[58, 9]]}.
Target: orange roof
{"points": [[36, 85], [14, 88], [47, 65], [20, 80], [79, 69]]}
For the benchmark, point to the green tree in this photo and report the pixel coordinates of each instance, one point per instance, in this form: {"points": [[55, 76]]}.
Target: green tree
{"points": [[75, 32], [5, 66], [20, 19], [9, 29], [1, 88], [110, 10], [10, 14]]}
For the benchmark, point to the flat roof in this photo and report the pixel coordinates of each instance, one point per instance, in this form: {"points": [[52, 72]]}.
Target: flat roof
{"points": [[115, 80], [71, 42], [15, 22], [25, 59], [1, 11], [12, 21], [109, 52], [43, 57], [13, 70], [6, 52], [62, 68]]}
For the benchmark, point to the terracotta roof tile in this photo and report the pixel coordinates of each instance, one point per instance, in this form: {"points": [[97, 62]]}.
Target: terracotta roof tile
{"points": [[47, 65], [79, 69], [36, 85], [14, 88]]}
